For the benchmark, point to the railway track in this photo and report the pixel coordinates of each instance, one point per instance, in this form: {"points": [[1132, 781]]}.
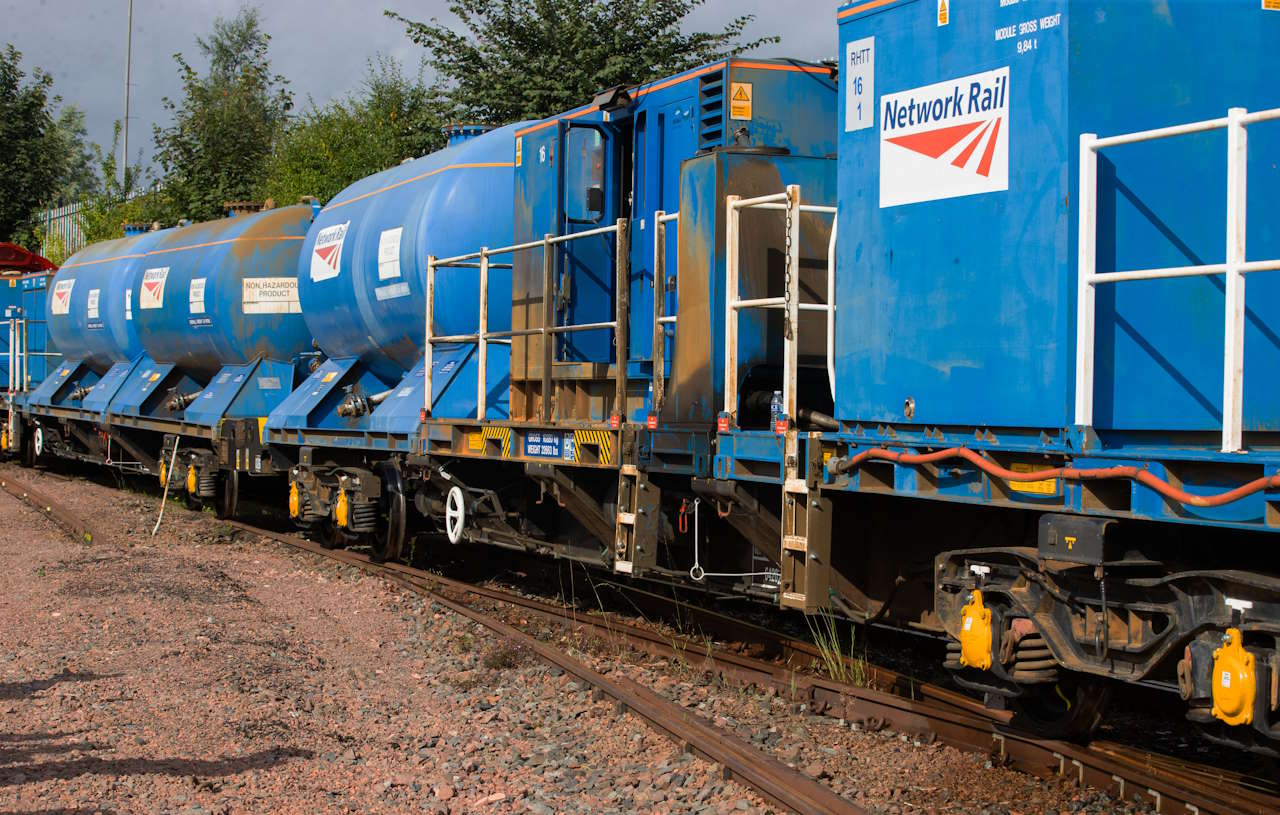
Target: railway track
{"points": [[1163, 783]]}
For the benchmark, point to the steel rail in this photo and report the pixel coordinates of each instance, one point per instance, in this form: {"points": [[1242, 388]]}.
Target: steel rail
{"points": [[80, 529], [920, 709], [1166, 783], [781, 785]]}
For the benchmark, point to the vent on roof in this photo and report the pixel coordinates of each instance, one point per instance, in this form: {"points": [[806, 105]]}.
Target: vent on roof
{"points": [[711, 110]]}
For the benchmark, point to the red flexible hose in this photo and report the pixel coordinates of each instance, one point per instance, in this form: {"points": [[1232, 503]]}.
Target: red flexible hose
{"points": [[1120, 471]]}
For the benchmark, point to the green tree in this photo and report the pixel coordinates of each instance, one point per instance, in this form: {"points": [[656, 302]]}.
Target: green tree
{"points": [[223, 128], [32, 163], [523, 60], [391, 118], [80, 177], [122, 198]]}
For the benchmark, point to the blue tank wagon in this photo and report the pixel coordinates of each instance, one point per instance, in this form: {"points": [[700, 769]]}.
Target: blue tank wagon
{"points": [[362, 286]]}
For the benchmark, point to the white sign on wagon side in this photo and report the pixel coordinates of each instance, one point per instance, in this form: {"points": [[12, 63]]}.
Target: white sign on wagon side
{"points": [[945, 140], [860, 84], [326, 255], [389, 253], [270, 295], [61, 303], [152, 293]]}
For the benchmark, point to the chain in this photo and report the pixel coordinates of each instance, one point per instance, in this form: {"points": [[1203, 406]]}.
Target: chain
{"points": [[786, 279]]}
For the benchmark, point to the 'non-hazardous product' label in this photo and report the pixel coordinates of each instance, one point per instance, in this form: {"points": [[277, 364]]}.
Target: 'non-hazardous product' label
{"points": [[945, 140], [152, 295], [92, 305], [270, 295], [128, 304], [61, 303], [326, 255]]}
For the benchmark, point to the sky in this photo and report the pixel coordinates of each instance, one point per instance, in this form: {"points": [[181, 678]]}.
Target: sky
{"points": [[321, 46]]}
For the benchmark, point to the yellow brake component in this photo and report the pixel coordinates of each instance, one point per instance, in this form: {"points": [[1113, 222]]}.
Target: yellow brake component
{"points": [[1234, 681], [975, 633]]}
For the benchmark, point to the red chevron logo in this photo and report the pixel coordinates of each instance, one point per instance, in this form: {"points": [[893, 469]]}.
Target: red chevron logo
{"points": [[936, 143], [329, 254]]}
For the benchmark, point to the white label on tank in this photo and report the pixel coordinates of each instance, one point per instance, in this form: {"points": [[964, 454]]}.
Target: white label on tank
{"points": [[271, 295], [61, 303], [945, 140], [196, 295], [326, 255], [389, 253], [128, 304], [153, 287], [93, 303], [860, 84], [391, 292], [405, 391]]}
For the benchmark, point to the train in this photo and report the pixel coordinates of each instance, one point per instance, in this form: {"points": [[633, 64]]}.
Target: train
{"points": [[949, 335]]}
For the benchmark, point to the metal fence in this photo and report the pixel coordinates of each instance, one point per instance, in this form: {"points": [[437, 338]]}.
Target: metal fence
{"points": [[60, 229]]}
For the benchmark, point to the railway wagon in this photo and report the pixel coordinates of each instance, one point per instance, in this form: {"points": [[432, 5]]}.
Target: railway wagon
{"points": [[25, 349], [1057, 416], [178, 343], [490, 364]]}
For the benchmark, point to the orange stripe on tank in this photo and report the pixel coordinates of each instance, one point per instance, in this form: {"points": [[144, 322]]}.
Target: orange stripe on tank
{"points": [[380, 190]]}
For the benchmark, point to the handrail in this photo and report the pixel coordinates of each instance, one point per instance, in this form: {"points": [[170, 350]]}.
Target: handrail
{"points": [[660, 320], [483, 336], [788, 201], [1234, 268]]}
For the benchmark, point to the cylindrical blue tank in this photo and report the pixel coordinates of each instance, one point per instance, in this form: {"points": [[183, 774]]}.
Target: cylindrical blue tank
{"points": [[362, 272], [224, 292], [89, 311]]}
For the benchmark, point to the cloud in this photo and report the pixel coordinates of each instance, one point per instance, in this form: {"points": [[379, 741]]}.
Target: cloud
{"points": [[322, 46]]}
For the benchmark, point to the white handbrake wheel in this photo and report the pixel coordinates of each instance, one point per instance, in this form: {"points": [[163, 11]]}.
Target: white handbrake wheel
{"points": [[455, 514], [39, 441]]}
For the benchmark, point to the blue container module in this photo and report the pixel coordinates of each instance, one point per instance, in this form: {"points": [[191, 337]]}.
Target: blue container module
{"points": [[960, 201], [362, 284]]}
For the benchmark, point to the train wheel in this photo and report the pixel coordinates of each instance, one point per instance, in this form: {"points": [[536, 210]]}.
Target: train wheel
{"points": [[228, 494], [192, 502], [390, 538], [1069, 709], [29, 448], [328, 535]]}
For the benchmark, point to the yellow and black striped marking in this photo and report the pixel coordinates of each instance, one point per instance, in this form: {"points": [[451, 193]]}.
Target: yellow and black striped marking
{"points": [[503, 434], [602, 439]]}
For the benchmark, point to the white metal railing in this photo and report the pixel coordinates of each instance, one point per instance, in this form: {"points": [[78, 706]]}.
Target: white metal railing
{"points": [[660, 318], [483, 336], [789, 202], [1235, 266], [17, 357]]}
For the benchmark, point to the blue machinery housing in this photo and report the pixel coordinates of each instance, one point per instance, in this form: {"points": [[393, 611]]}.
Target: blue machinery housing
{"points": [[938, 331]]}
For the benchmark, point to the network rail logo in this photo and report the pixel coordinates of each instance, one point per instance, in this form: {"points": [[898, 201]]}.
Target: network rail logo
{"points": [[945, 140]]}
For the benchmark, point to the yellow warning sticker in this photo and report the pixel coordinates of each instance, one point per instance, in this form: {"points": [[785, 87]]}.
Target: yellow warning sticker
{"points": [[944, 14], [1271, 5], [519, 149], [329, 377], [740, 100], [475, 442], [154, 377], [1048, 486]]}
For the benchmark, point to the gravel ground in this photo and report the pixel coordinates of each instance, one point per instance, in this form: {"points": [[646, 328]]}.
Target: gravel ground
{"points": [[208, 671]]}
